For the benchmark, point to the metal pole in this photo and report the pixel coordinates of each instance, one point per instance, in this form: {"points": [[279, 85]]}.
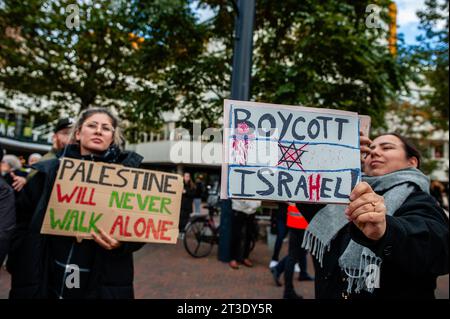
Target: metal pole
{"points": [[243, 47], [240, 90]]}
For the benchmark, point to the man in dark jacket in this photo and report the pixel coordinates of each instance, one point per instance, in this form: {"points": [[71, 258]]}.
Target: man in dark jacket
{"points": [[7, 214], [186, 201]]}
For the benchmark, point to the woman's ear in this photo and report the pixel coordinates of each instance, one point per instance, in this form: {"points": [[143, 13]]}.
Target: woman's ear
{"points": [[413, 162]]}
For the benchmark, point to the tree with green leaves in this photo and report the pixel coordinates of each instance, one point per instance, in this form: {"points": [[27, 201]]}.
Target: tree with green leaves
{"points": [[317, 53]]}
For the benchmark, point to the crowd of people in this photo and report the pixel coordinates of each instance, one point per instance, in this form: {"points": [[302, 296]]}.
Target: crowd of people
{"points": [[393, 226]]}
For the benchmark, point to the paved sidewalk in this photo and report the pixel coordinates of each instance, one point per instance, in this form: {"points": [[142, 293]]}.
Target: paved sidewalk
{"points": [[167, 271], [188, 277]]}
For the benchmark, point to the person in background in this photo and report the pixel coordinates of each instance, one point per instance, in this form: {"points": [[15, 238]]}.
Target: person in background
{"points": [[61, 137], [10, 163], [282, 231], [242, 226], [7, 214], [22, 160], [186, 201]]}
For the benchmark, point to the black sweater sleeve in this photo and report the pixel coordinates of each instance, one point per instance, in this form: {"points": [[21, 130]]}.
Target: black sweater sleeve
{"points": [[416, 238], [26, 204]]}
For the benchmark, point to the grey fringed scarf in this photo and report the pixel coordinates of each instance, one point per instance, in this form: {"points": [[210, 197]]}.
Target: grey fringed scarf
{"points": [[325, 225]]}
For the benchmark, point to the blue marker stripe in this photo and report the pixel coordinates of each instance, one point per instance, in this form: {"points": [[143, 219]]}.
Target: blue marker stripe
{"points": [[229, 169], [296, 170], [65, 273], [268, 139], [289, 142], [232, 166], [65, 266], [359, 147], [231, 118]]}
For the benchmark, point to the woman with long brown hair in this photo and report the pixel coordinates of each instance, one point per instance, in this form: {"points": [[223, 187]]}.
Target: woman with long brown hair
{"points": [[391, 241]]}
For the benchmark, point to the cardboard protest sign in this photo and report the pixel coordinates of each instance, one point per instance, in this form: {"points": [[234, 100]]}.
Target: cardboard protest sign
{"points": [[130, 204], [287, 153]]}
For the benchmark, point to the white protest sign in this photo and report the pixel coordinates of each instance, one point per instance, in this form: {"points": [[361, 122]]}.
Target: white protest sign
{"points": [[289, 153]]}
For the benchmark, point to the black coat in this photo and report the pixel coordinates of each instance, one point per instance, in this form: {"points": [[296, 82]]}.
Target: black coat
{"points": [[414, 251], [29, 259], [7, 217]]}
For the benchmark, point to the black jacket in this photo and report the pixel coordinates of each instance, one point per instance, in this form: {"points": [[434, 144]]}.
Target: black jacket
{"points": [[414, 251], [7, 217], [187, 198], [30, 257]]}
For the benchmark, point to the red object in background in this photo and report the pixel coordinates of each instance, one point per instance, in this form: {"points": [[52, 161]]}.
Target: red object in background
{"points": [[295, 219]]}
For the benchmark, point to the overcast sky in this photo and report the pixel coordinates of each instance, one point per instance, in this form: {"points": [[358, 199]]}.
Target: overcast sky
{"points": [[407, 20]]}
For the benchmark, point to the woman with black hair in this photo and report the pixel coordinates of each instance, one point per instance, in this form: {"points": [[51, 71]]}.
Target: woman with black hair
{"points": [[7, 214]]}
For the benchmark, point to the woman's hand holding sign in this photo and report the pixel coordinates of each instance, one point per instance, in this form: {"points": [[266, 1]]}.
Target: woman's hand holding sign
{"points": [[105, 240], [367, 211]]}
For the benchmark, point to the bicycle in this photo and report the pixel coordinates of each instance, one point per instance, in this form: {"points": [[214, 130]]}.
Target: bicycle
{"points": [[202, 233]]}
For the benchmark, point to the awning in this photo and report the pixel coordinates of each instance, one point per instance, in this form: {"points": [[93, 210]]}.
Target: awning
{"points": [[24, 146]]}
